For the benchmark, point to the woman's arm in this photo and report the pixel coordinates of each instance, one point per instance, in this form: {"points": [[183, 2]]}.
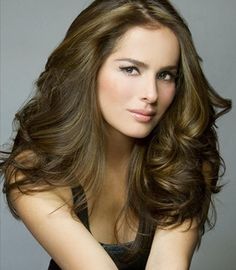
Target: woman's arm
{"points": [[67, 240], [172, 249]]}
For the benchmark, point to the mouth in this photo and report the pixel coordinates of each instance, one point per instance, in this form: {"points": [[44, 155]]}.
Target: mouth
{"points": [[142, 115]]}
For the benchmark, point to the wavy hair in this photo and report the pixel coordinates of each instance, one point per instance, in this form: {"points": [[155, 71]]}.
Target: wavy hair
{"points": [[172, 172]]}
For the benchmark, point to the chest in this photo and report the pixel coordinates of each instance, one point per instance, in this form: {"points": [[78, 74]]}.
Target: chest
{"points": [[103, 213]]}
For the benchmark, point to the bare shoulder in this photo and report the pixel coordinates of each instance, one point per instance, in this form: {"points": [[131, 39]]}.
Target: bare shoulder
{"points": [[58, 195], [49, 218]]}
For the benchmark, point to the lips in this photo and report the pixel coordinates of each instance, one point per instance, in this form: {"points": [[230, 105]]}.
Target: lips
{"points": [[143, 112], [143, 116]]}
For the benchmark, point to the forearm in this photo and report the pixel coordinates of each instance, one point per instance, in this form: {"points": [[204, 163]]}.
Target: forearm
{"points": [[169, 263], [172, 249], [65, 239]]}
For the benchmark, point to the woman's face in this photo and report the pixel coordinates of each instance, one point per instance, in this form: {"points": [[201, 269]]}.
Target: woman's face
{"points": [[136, 83]]}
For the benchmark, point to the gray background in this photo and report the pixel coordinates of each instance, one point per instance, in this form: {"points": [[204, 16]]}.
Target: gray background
{"points": [[31, 29]]}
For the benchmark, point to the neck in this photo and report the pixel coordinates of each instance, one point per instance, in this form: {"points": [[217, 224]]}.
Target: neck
{"points": [[118, 152], [119, 148]]}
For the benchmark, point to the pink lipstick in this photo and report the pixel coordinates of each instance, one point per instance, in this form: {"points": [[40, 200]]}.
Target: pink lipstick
{"points": [[142, 115]]}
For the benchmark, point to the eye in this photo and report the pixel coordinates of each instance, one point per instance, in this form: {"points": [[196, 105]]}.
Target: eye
{"points": [[131, 70], [166, 76]]}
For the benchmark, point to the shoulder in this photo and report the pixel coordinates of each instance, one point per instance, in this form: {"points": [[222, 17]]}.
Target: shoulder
{"points": [[15, 176]]}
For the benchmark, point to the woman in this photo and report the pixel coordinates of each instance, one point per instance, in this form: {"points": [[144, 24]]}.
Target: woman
{"points": [[116, 158]]}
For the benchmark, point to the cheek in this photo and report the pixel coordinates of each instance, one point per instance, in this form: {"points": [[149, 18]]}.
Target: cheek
{"points": [[166, 97], [112, 89]]}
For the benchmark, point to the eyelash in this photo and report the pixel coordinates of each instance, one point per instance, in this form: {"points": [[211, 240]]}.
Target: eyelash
{"points": [[128, 70]]}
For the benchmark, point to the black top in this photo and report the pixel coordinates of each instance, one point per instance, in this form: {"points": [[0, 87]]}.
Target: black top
{"points": [[115, 251]]}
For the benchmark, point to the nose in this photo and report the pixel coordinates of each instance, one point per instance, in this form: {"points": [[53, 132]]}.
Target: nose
{"points": [[150, 91]]}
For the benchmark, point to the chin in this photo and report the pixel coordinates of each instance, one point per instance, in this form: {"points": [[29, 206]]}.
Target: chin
{"points": [[138, 135]]}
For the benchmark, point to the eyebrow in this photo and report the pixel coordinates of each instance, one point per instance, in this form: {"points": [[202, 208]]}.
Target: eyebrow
{"points": [[144, 65]]}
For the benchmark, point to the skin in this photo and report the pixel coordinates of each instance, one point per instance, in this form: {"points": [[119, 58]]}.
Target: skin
{"points": [[124, 84], [121, 86], [138, 75]]}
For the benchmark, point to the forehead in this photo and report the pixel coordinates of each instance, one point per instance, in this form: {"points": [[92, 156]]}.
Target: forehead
{"points": [[148, 44]]}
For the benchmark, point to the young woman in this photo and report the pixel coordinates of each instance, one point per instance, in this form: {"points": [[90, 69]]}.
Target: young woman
{"points": [[116, 158]]}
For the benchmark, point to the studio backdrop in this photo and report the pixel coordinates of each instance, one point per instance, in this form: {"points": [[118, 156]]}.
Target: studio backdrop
{"points": [[31, 29]]}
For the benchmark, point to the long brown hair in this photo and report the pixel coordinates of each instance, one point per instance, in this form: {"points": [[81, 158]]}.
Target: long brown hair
{"points": [[172, 172]]}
